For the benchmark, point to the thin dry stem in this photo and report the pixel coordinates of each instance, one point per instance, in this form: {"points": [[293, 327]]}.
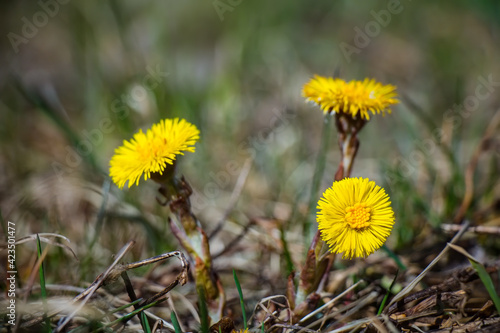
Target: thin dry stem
{"points": [[417, 280], [235, 195], [471, 167]]}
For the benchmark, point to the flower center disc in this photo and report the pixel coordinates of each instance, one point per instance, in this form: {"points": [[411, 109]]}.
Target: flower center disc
{"points": [[358, 216]]}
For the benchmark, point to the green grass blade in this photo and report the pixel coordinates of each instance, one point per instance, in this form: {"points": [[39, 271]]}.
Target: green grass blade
{"points": [[128, 315], [43, 289], [394, 257], [286, 253], [483, 275], [123, 307], [119, 309], [238, 286], [145, 323], [175, 322], [203, 310], [386, 297], [488, 283], [40, 270]]}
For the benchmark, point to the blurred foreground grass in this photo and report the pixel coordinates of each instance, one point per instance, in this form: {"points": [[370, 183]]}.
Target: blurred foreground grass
{"points": [[96, 72]]}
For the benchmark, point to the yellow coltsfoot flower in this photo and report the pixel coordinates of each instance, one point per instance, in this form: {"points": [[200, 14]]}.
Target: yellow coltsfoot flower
{"points": [[150, 152], [355, 217], [353, 97]]}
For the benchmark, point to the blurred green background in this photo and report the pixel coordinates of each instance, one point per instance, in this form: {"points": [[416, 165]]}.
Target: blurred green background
{"points": [[79, 77]]}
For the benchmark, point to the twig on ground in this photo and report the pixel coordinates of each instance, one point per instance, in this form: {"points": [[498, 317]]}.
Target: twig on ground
{"points": [[114, 271], [330, 302], [453, 283], [94, 286], [44, 237], [480, 229]]}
